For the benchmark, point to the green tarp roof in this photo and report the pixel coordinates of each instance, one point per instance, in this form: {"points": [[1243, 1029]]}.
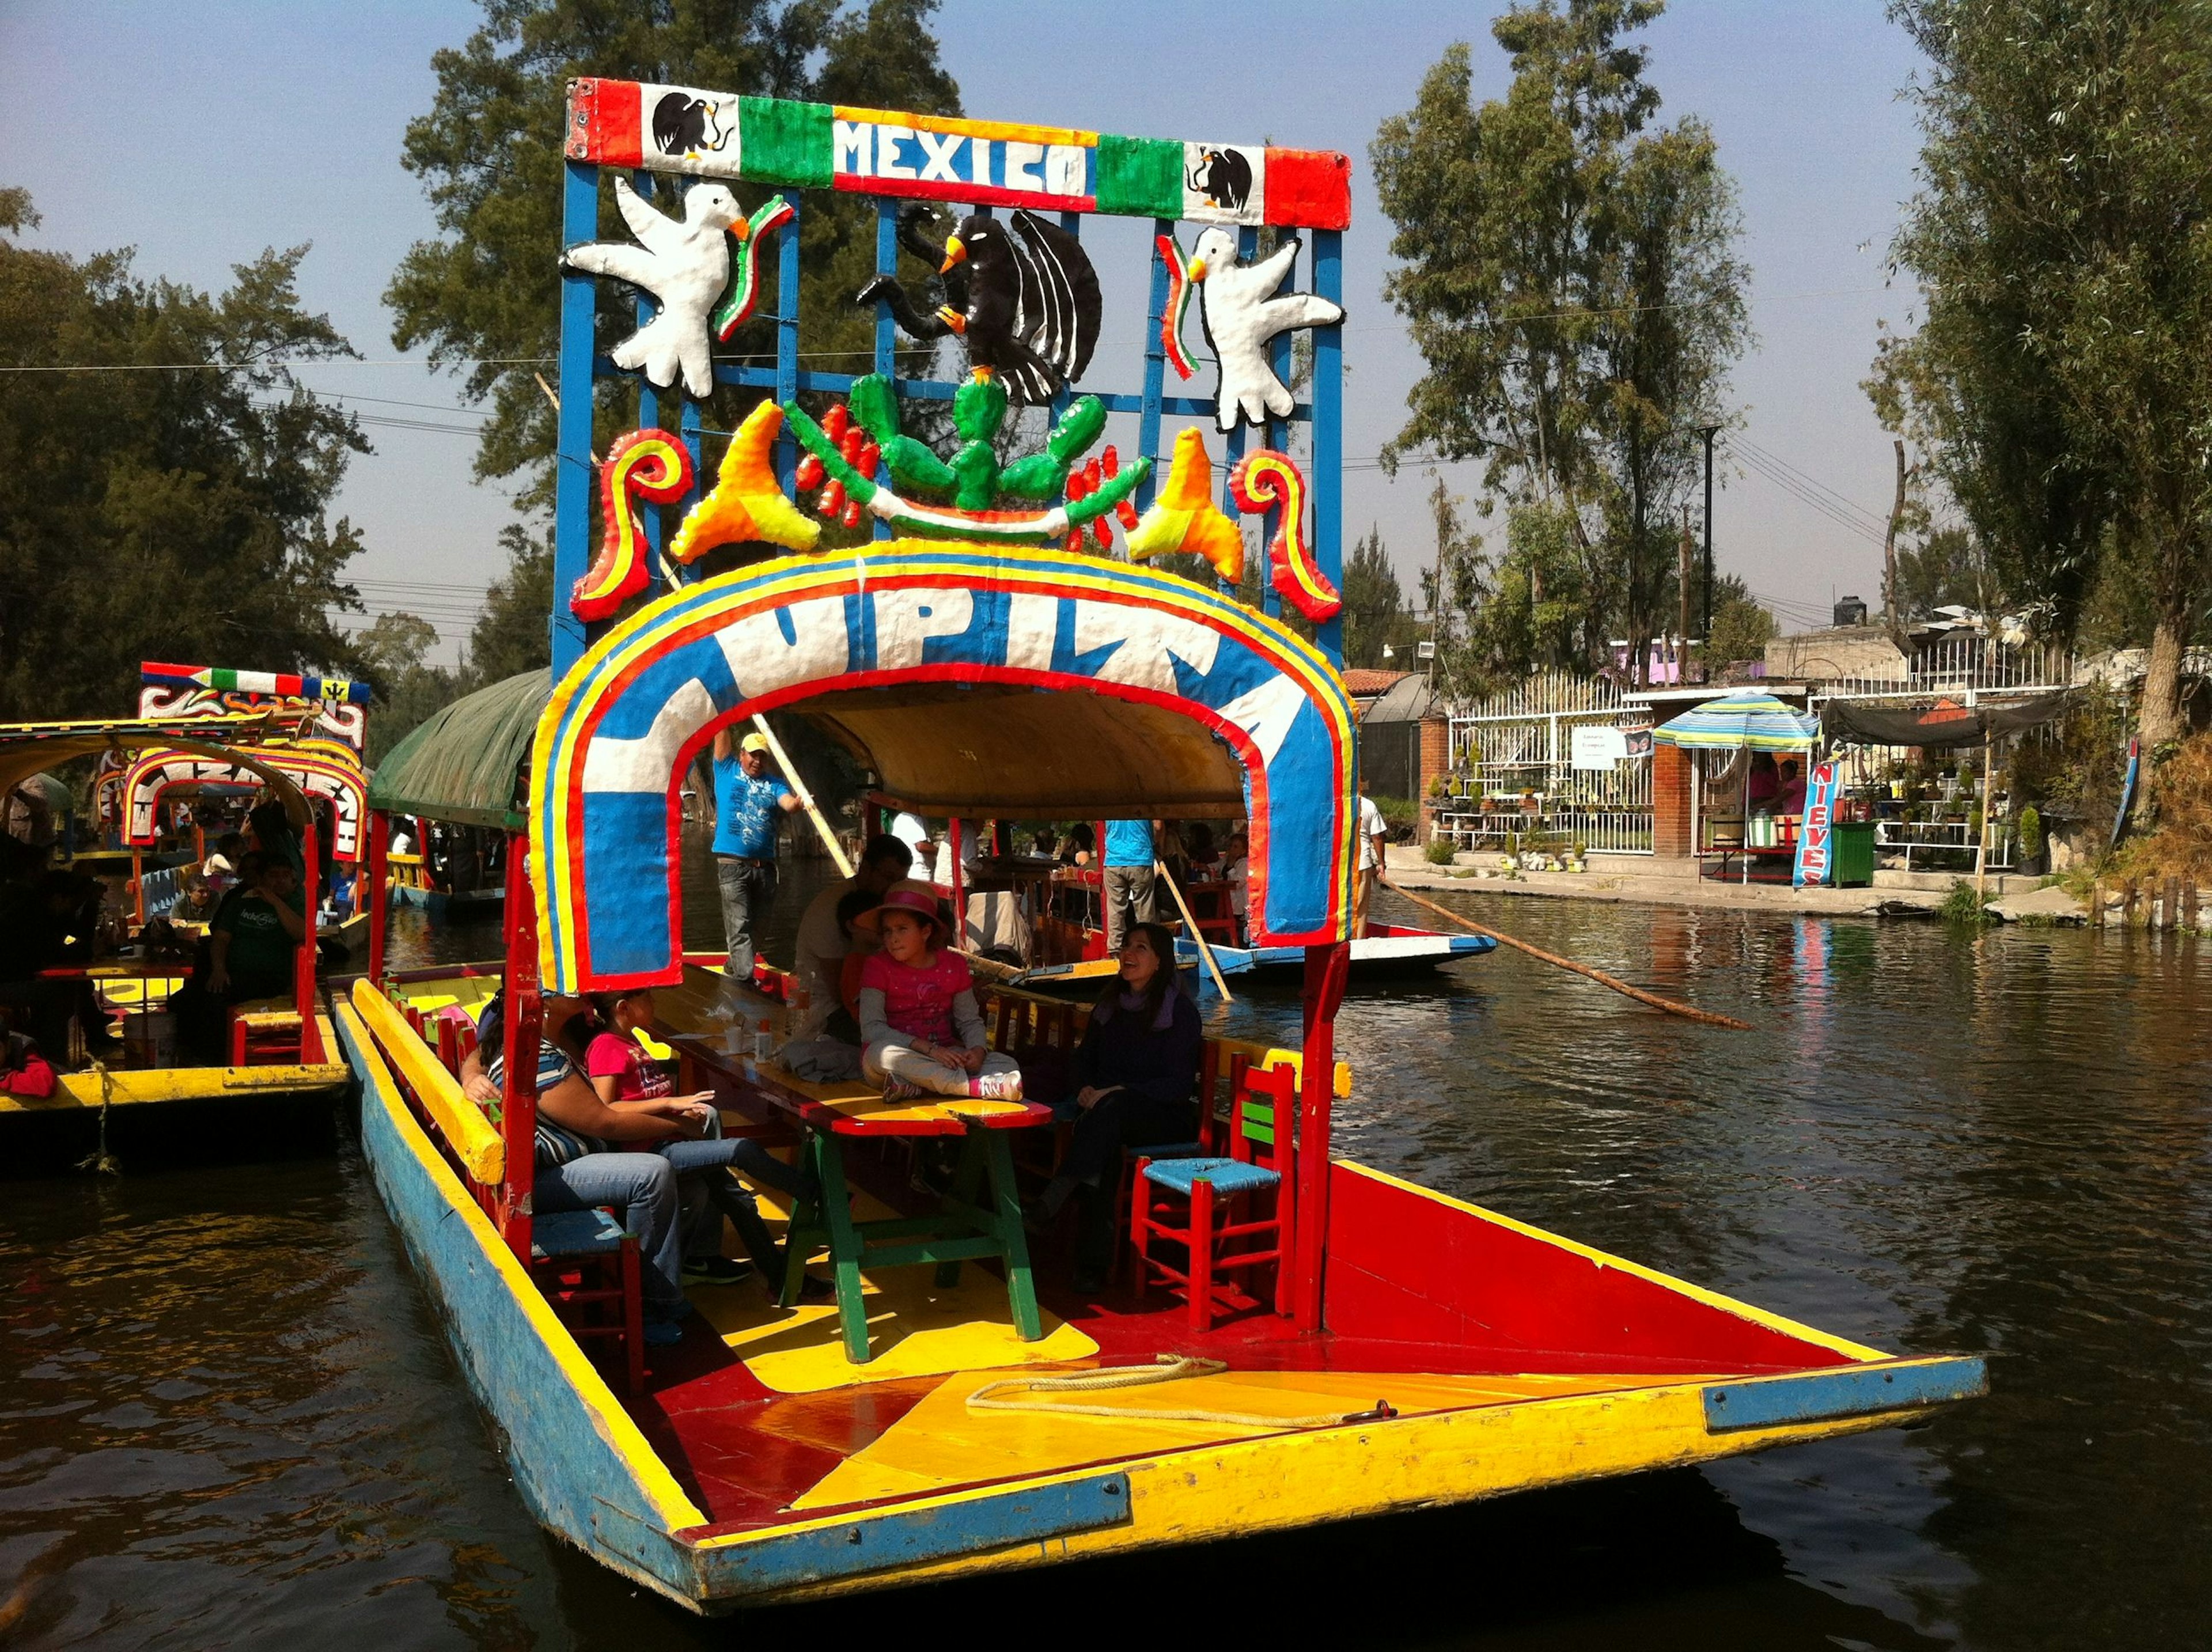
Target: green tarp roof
{"points": [[461, 766]]}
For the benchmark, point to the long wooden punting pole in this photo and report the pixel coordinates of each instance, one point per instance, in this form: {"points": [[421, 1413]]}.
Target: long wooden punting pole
{"points": [[1597, 976], [790, 778], [1213, 967], [522, 1013]]}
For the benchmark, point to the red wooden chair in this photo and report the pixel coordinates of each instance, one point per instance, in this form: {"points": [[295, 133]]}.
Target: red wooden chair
{"points": [[1215, 1199], [586, 1264]]}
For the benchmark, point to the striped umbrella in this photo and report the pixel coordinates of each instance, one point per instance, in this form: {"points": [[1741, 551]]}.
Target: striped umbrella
{"points": [[1758, 720]]}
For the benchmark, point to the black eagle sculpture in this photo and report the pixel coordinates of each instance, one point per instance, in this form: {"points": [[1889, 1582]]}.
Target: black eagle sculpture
{"points": [[1027, 303]]}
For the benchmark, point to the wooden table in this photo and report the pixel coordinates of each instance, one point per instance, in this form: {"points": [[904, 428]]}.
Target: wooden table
{"points": [[960, 1230]]}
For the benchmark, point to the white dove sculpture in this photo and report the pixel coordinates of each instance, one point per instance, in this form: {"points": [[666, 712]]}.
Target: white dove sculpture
{"points": [[1240, 310], [684, 266]]}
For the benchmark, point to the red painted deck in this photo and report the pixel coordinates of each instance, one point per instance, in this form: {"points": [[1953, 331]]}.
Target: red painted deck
{"points": [[1461, 1296]]}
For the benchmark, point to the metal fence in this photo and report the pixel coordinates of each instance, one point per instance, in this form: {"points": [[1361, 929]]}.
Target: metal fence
{"points": [[1513, 772], [1961, 666]]}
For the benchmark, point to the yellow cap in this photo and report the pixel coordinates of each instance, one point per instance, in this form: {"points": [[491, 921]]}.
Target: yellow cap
{"points": [[755, 742]]}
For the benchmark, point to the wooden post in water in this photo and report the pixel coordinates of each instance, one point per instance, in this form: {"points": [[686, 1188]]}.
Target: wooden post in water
{"points": [[2128, 903], [2189, 905]]}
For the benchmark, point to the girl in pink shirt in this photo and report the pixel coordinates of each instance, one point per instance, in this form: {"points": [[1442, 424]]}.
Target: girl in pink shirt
{"points": [[920, 1028]]}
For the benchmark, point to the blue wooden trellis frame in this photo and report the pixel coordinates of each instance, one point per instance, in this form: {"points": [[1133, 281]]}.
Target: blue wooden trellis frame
{"points": [[579, 367]]}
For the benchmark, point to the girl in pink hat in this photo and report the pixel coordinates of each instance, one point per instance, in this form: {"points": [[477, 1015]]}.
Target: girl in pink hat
{"points": [[920, 1028]]}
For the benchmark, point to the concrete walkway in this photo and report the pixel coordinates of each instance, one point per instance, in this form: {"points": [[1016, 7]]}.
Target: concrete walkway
{"points": [[1654, 882]]}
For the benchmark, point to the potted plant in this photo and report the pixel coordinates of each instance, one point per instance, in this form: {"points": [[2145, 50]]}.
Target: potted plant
{"points": [[2031, 842]]}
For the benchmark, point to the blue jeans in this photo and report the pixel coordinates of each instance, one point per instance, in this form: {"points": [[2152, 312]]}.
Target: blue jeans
{"points": [[712, 1160], [643, 1186], [748, 890]]}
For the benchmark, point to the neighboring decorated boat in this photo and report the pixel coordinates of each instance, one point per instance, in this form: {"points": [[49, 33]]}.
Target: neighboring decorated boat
{"points": [[280, 1048], [1294, 1338]]}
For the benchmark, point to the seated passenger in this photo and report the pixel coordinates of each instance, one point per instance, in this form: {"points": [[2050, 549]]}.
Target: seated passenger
{"points": [[196, 897], [1080, 846], [585, 1156], [23, 1071], [917, 999], [1136, 1067], [219, 869], [256, 933], [626, 1081]]}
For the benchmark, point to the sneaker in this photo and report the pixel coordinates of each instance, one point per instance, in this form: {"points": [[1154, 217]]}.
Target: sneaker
{"points": [[663, 1333], [897, 1089], [713, 1270], [996, 1086]]}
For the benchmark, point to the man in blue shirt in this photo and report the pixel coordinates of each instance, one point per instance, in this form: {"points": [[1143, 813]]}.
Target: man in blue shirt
{"points": [[1128, 880], [749, 805]]}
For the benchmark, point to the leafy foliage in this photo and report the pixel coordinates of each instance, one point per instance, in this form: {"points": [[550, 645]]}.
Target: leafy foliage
{"points": [[1741, 628], [511, 635], [1375, 616], [152, 513], [409, 688], [483, 297], [1569, 275], [1946, 570], [2060, 380]]}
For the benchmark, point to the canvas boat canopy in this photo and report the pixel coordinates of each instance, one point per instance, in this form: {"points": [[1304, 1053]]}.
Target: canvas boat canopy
{"points": [[461, 765]]}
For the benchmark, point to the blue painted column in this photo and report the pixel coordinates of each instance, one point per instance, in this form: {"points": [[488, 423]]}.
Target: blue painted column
{"points": [[689, 430], [1328, 433], [787, 340], [1156, 367], [886, 329], [572, 475], [1278, 438]]}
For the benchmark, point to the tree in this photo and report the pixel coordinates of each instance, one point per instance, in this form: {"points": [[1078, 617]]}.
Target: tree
{"points": [[1375, 616], [409, 688], [510, 636], [157, 514], [1570, 279], [1536, 598], [1455, 589], [1946, 570], [482, 295], [2061, 375], [1741, 627]]}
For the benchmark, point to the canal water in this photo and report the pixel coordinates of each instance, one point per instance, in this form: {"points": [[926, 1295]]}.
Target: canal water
{"points": [[228, 1418]]}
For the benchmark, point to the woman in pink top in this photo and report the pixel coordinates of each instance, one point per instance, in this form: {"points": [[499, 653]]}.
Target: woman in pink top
{"points": [[920, 1028]]}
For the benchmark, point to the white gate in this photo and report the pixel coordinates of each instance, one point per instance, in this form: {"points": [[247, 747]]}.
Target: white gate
{"points": [[1513, 772]]}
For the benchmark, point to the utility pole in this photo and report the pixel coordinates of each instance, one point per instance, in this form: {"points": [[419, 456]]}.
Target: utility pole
{"points": [[1709, 431]]}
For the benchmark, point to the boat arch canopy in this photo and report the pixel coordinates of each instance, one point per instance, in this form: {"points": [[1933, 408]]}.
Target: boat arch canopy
{"points": [[996, 681], [26, 747], [329, 771]]}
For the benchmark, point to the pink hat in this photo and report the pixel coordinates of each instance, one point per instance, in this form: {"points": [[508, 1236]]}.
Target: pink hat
{"points": [[902, 899]]}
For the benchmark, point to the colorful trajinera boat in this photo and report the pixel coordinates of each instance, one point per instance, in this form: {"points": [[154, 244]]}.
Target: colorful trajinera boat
{"points": [[279, 1049], [1294, 1337]]}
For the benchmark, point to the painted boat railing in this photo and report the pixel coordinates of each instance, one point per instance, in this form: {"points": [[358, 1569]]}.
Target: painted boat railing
{"points": [[425, 1073]]}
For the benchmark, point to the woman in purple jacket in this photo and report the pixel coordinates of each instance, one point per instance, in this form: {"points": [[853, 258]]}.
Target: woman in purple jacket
{"points": [[1135, 1073]]}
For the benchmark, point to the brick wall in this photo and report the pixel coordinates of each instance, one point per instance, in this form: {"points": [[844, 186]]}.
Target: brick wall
{"points": [[1435, 751], [1670, 802]]}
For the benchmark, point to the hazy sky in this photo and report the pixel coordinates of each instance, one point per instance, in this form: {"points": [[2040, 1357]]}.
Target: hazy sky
{"points": [[200, 133]]}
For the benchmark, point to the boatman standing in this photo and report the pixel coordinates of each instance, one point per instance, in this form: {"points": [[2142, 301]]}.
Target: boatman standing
{"points": [[1374, 833], [1126, 889], [749, 805]]}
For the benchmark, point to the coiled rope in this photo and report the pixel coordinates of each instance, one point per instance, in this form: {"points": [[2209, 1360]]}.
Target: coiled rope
{"points": [[1165, 1368]]}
